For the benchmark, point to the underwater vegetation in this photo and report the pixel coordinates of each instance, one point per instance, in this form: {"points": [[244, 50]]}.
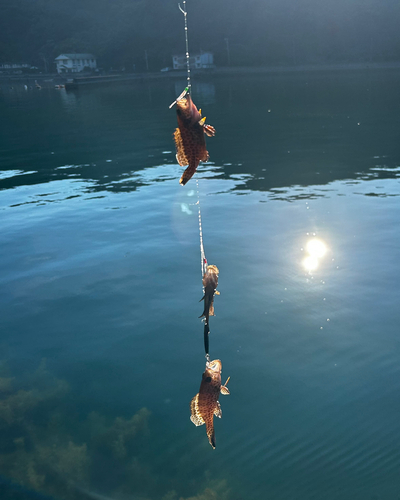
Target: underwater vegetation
{"points": [[48, 450]]}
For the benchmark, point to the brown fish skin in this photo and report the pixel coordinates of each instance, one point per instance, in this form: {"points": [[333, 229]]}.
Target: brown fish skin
{"points": [[205, 404], [210, 283], [189, 137]]}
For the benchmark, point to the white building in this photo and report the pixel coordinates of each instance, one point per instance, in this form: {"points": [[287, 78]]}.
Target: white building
{"points": [[75, 63], [205, 60]]}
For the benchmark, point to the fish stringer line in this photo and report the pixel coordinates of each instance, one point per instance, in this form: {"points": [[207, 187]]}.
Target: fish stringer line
{"points": [[184, 12], [202, 252], [203, 265]]}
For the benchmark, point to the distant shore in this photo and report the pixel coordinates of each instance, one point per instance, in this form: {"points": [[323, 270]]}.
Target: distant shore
{"points": [[50, 80]]}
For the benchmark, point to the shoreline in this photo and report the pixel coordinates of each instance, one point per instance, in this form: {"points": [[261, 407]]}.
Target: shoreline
{"points": [[52, 79]]}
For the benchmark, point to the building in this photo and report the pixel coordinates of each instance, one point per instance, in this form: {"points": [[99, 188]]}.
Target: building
{"points": [[16, 68], [204, 60], [75, 63]]}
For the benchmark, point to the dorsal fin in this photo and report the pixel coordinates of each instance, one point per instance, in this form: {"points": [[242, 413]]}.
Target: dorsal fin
{"points": [[195, 416], [180, 152]]}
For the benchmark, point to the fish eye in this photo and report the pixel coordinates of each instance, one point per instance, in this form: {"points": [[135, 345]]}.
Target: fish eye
{"points": [[208, 379]]}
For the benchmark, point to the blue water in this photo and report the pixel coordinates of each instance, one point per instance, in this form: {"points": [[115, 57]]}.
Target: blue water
{"points": [[101, 280]]}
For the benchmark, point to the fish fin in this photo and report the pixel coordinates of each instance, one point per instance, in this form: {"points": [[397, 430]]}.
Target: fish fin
{"points": [[180, 152], [202, 121], [216, 292], [202, 298], [205, 156], [195, 416], [209, 130], [218, 411], [224, 389], [212, 309], [200, 111]]}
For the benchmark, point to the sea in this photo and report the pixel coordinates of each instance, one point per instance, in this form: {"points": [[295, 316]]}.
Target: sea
{"points": [[101, 345]]}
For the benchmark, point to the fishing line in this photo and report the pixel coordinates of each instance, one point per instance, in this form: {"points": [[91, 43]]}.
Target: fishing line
{"points": [[203, 265], [184, 12]]}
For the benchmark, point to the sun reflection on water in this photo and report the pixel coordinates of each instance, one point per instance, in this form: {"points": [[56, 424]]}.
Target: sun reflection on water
{"points": [[316, 249]]}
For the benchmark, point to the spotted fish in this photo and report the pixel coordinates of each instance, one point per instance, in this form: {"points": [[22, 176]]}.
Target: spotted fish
{"points": [[205, 404], [210, 283], [189, 137]]}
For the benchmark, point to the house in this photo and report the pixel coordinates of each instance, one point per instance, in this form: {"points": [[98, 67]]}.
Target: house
{"points": [[204, 60], [75, 63]]}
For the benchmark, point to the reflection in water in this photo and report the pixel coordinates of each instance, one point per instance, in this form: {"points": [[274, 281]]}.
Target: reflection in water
{"points": [[48, 447], [69, 100], [316, 249]]}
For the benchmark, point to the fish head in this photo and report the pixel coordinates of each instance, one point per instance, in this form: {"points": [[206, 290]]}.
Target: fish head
{"points": [[186, 110], [213, 269], [214, 366], [210, 279]]}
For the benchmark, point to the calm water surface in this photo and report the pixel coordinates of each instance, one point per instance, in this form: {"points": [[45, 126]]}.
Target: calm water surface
{"points": [[101, 345]]}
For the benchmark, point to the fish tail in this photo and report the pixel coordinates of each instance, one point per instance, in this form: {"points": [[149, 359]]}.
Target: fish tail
{"points": [[188, 174], [211, 434]]}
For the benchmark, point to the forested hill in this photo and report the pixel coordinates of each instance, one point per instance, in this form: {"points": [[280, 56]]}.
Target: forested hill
{"points": [[256, 32]]}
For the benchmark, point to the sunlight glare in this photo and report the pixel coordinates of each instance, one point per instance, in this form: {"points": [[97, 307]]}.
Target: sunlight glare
{"points": [[316, 249], [310, 263]]}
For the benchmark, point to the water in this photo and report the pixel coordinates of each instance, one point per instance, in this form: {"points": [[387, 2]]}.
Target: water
{"points": [[101, 345]]}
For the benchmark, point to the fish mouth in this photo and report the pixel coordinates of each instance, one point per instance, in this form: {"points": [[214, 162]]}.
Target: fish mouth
{"points": [[185, 101], [215, 366]]}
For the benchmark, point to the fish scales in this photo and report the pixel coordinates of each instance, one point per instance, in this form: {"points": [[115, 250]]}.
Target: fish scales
{"points": [[205, 405], [210, 283], [190, 137]]}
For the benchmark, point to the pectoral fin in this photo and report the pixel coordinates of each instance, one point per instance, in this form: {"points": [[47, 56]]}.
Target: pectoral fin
{"points": [[195, 416], [224, 389], [209, 130]]}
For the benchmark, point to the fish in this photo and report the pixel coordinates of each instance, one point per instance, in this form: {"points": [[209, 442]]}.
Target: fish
{"points": [[205, 404], [190, 137], [210, 283]]}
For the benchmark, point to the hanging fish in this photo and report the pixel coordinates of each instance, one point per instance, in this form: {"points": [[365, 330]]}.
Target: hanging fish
{"points": [[210, 283], [205, 404], [189, 136]]}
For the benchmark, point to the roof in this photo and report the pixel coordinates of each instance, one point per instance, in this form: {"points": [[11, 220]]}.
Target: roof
{"points": [[75, 56]]}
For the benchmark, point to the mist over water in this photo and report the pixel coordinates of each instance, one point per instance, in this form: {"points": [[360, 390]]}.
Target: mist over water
{"points": [[100, 276]]}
